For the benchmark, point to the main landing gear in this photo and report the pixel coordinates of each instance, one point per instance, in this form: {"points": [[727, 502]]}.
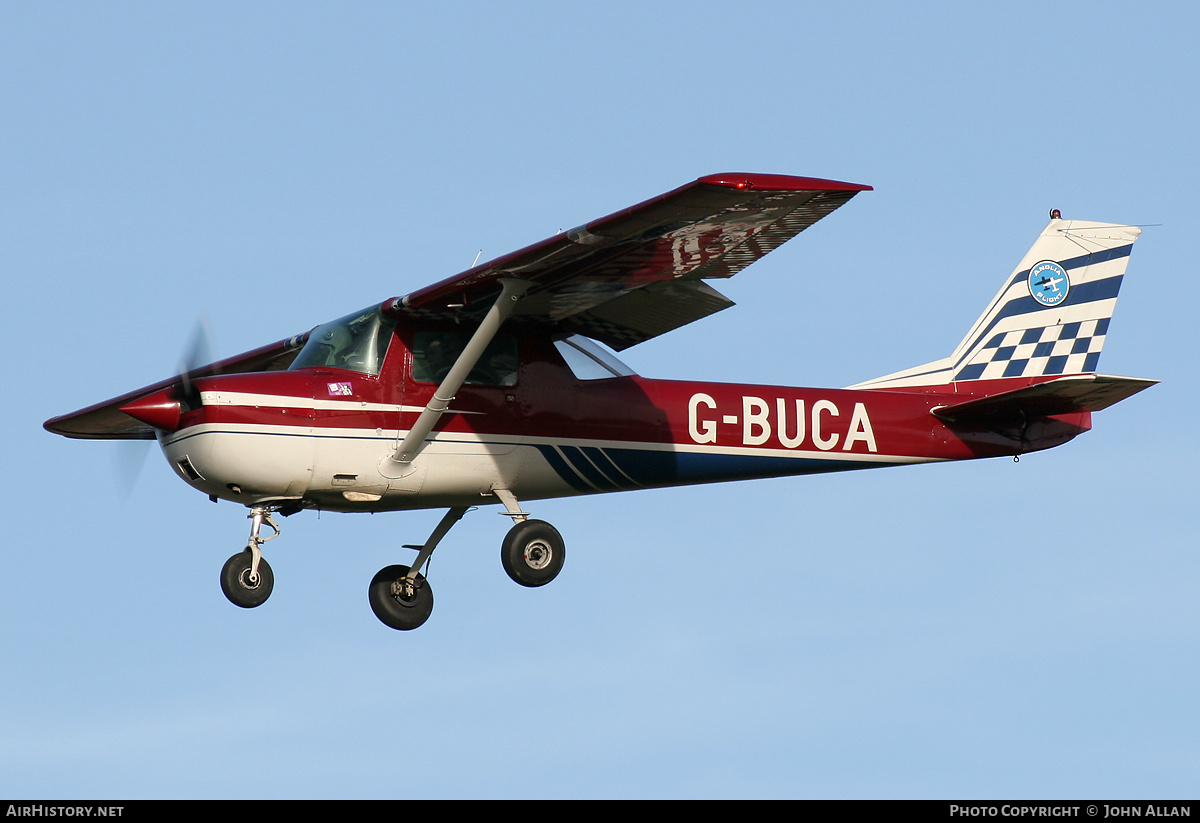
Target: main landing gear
{"points": [[533, 551], [532, 554], [400, 597]]}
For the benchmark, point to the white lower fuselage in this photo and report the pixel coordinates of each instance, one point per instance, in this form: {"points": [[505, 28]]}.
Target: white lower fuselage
{"points": [[574, 437]]}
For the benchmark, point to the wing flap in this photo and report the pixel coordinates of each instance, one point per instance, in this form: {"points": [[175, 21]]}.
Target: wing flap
{"points": [[648, 312]]}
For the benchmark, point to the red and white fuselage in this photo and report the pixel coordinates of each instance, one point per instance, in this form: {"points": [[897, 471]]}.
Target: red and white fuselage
{"points": [[327, 437]]}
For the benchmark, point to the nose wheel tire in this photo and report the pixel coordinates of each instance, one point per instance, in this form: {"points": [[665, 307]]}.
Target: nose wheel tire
{"points": [[533, 553], [400, 603], [238, 585]]}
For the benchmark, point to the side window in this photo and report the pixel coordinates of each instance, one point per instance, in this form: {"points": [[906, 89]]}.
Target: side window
{"points": [[435, 352], [590, 361]]}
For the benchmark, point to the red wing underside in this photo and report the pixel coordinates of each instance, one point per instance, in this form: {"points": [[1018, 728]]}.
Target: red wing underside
{"points": [[106, 421], [639, 273]]}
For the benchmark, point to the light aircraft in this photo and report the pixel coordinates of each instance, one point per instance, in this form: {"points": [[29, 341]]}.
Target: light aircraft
{"points": [[490, 386]]}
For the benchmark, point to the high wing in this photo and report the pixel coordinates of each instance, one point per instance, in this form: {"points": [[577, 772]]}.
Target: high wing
{"points": [[621, 279], [639, 273], [106, 421]]}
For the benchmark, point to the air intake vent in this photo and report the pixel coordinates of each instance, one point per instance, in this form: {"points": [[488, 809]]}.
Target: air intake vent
{"points": [[189, 471]]}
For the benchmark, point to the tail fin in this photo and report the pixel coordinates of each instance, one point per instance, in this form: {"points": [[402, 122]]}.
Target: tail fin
{"points": [[1050, 317]]}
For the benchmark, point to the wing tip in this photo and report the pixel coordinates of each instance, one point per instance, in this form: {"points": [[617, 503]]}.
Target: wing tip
{"points": [[778, 182]]}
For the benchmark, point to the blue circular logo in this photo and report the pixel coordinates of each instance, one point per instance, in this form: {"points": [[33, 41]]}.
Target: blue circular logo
{"points": [[1048, 283]]}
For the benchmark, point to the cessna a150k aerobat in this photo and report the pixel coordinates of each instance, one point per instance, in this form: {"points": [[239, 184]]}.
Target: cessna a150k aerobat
{"points": [[489, 387]]}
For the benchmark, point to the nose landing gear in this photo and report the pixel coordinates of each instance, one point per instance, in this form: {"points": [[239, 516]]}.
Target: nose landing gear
{"points": [[242, 584], [246, 578]]}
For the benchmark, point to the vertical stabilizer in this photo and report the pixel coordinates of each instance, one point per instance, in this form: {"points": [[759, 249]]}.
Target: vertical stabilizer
{"points": [[1050, 317]]}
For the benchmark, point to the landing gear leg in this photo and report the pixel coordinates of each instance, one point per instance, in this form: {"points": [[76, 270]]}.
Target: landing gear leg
{"points": [[399, 595], [533, 551], [246, 578]]}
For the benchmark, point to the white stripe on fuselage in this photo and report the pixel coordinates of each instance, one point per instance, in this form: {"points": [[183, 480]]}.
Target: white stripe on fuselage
{"points": [[287, 401], [470, 438]]}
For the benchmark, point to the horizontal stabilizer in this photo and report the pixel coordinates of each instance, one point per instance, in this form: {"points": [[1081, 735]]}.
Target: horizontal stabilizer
{"points": [[1084, 392]]}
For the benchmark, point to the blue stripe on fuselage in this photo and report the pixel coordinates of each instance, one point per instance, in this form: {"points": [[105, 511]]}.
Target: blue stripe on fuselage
{"points": [[654, 467]]}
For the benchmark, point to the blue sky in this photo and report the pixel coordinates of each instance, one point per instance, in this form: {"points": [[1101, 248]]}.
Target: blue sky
{"points": [[922, 632]]}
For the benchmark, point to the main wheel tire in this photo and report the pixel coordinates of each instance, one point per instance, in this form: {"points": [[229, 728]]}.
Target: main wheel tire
{"points": [[402, 606], [236, 583], [533, 553]]}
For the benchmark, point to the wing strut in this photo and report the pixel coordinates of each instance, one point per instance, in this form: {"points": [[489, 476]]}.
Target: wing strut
{"points": [[414, 441]]}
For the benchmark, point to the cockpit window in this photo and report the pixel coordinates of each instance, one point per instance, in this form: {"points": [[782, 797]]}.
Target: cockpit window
{"points": [[434, 353], [357, 342], [588, 360]]}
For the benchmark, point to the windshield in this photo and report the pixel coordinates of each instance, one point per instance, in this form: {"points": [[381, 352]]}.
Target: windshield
{"points": [[356, 342]]}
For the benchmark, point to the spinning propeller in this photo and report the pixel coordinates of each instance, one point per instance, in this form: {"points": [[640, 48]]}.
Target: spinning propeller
{"points": [[163, 409], [197, 354]]}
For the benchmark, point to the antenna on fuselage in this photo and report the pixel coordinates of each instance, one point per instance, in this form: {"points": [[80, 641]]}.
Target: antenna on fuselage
{"points": [[477, 258]]}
